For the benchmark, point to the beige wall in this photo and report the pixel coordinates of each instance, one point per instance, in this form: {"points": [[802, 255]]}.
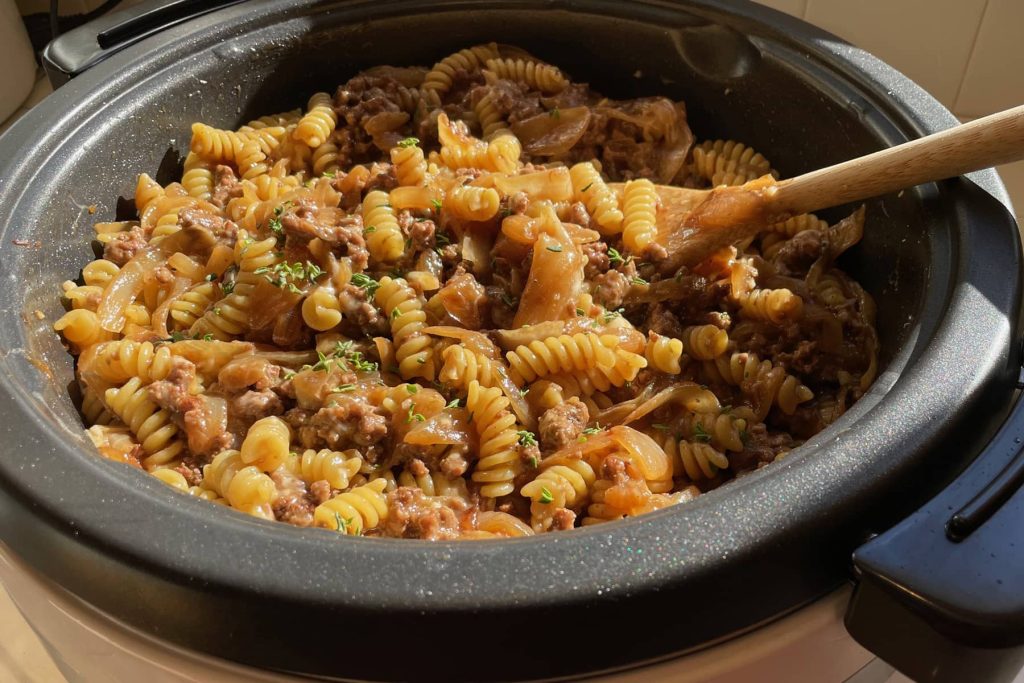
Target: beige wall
{"points": [[967, 53]]}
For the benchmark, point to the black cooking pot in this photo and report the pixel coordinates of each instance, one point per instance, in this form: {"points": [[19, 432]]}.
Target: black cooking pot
{"points": [[942, 260]]}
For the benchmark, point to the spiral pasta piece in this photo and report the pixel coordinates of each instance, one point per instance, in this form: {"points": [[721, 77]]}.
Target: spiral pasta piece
{"points": [[410, 165], [533, 74], [439, 79], [462, 366], [214, 144], [198, 177], [252, 255], [243, 486], [356, 511], [434, 484], [82, 328], [767, 384], [100, 272], [321, 309], [639, 214], [94, 410], [696, 460], [704, 342], [727, 162], [325, 159], [499, 460], [663, 354], [562, 483], [147, 191], [228, 317], [384, 238], [251, 159], [177, 481], [190, 306], [317, 125], [118, 361], [487, 113], [473, 203], [797, 224], [589, 187], [562, 353], [776, 306], [335, 467], [266, 444], [413, 349], [151, 425]]}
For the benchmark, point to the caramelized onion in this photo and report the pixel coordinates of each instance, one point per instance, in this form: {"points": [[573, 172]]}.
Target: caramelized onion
{"points": [[646, 454], [555, 280], [463, 298], [691, 396], [550, 134], [446, 428], [126, 285], [553, 184], [158, 320]]}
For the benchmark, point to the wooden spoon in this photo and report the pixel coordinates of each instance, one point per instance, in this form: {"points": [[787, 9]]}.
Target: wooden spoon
{"points": [[697, 223]]}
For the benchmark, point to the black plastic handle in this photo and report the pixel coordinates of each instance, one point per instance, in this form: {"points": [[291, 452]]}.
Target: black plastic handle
{"points": [[89, 44], [940, 596]]}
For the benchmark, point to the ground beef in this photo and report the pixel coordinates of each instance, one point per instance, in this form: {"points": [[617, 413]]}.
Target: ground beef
{"points": [[226, 186], [598, 262], [344, 234], [249, 371], [719, 319], [663, 321], [798, 253], [419, 231], [125, 245], [349, 422], [563, 519], [320, 491], [254, 405], [356, 309], [561, 425], [222, 229], [518, 203], [413, 514], [514, 100], [190, 411], [578, 215], [502, 306], [759, 446], [382, 177], [655, 253], [455, 462], [293, 504], [804, 360], [610, 288]]}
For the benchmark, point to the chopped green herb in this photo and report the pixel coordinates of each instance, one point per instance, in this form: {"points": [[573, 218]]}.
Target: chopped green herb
{"points": [[175, 337], [364, 281], [661, 427], [343, 388], [508, 299], [370, 229], [395, 313], [581, 313], [413, 415], [340, 523], [284, 275], [454, 403], [329, 174], [408, 142], [216, 310], [436, 203], [545, 495], [639, 281], [586, 187], [289, 374], [412, 388], [526, 438], [441, 239], [608, 316], [699, 435], [208, 336], [346, 355], [532, 462], [211, 277], [323, 363], [556, 248], [615, 258], [524, 392], [589, 432], [421, 361], [555, 114]]}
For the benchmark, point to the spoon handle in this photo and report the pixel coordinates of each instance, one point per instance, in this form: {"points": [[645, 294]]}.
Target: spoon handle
{"points": [[990, 141]]}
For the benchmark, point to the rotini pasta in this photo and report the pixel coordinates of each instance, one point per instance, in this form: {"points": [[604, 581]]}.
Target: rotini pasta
{"points": [[335, 318]]}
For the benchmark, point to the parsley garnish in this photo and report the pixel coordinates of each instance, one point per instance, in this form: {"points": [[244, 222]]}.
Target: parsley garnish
{"points": [[436, 203], [345, 354], [545, 495], [608, 316], [581, 313], [370, 229], [699, 434], [615, 258], [441, 239], [532, 462], [526, 438], [413, 415], [329, 174], [408, 142], [454, 403], [412, 388], [343, 388], [556, 248], [395, 313], [366, 282], [211, 277], [639, 281], [284, 275], [589, 432]]}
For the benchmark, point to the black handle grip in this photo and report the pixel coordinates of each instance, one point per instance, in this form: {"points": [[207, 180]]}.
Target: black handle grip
{"points": [[940, 596], [89, 44]]}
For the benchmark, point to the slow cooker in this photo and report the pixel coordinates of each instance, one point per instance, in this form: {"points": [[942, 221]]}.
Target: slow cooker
{"points": [[906, 514]]}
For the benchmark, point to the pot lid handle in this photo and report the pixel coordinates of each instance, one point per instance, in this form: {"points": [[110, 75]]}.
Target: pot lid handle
{"points": [[89, 44], [940, 596]]}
